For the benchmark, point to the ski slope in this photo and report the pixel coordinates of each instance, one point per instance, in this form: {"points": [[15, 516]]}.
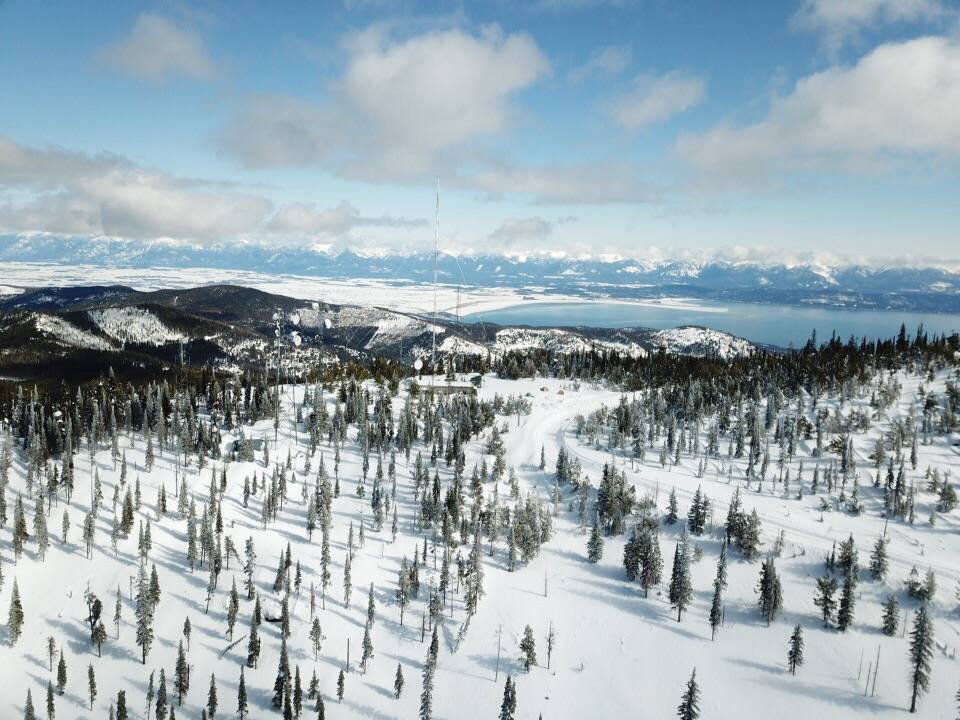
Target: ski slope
{"points": [[618, 654]]}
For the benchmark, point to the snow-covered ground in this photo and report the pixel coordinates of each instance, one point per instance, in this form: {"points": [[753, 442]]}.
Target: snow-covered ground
{"points": [[133, 324], [396, 295], [618, 655]]}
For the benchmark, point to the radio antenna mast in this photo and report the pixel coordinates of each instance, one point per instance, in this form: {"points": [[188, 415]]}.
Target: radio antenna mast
{"points": [[436, 260]]}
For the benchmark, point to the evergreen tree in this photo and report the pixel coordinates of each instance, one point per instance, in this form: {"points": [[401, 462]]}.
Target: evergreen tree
{"points": [[681, 588], [212, 697], [398, 682], [122, 705], [824, 598], [508, 706], [426, 692], [595, 545], [144, 614], [162, 703], [689, 707], [795, 653], [367, 646], [847, 599], [528, 649], [242, 707], [61, 673], [340, 686], [28, 712], [878, 559], [15, 618], [92, 687], [921, 655], [770, 591], [890, 620], [51, 708], [181, 677]]}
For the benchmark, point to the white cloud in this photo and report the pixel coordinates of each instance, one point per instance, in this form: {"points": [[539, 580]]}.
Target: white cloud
{"points": [[655, 99], [596, 183], [839, 19], [530, 232], [305, 219], [156, 49], [608, 61], [401, 109], [901, 99], [59, 191]]}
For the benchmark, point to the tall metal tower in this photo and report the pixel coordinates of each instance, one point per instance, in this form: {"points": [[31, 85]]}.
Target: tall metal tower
{"points": [[436, 260]]}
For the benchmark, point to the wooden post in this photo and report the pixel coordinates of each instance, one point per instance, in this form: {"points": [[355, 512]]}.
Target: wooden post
{"points": [[496, 675], [876, 667], [348, 654]]}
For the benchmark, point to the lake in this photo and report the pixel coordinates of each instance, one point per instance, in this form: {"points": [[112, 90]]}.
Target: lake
{"points": [[770, 324]]}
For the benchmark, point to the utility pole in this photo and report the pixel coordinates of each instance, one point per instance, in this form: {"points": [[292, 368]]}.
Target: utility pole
{"points": [[436, 260]]}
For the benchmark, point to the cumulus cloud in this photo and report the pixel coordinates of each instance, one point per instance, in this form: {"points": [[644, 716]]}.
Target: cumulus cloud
{"points": [[838, 20], [400, 109], [157, 48], [309, 220], [899, 100], [655, 99], [596, 183], [60, 191], [608, 61], [529, 232]]}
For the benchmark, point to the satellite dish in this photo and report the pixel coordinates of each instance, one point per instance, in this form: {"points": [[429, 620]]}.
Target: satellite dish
{"points": [[418, 364], [327, 324], [296, 339], [295, 318]]}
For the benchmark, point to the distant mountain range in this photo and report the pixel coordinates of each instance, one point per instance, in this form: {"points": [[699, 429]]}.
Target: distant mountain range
{"points": [[927, 289], [78, 333]]}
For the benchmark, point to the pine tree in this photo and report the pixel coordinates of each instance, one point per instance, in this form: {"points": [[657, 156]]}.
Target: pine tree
{"points": [[212, 697], [92, 687], [162, 703], [921, 655], [426, 692], [51, 708], [689, 707], [845, 613], [28, 712], [795, 653], [122, 705], [651, 562], [181, 677], [672, 508], [340, 686], [681, 589], [770, 590], [242, 708], [367, 648], [316, 636], [15, 618], [61, 673], [595, 544], [508, 706], [528, 649], [144, 614], [890, 621], [878, 559], [824, 599], [398, 682]]}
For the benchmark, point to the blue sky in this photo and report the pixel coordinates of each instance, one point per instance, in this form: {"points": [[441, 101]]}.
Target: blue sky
{"points": [[806, 129]]}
